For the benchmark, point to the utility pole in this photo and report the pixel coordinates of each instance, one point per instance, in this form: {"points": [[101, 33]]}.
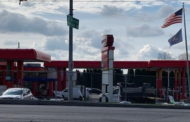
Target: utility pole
{"points": [[18, 45], [70, 65]]}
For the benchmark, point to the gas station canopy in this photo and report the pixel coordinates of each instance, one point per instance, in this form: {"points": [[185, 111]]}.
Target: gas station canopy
{"points": [[28, 55]]}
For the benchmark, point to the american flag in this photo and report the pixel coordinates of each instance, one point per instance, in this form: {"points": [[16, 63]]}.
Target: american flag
{"points": [[174, 18]]}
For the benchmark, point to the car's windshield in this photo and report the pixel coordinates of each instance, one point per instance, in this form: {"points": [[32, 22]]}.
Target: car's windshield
{"points": [[13, 92]]}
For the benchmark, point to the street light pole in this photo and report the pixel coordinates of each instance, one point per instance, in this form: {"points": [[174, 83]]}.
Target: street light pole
{"points": [[70, 65]]}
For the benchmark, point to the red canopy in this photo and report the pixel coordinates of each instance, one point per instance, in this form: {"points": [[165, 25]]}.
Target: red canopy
{"points": [[121, 64], [24, 55]]}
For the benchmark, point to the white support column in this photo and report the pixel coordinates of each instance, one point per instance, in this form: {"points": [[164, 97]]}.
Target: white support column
{"points": [[110, 76], [107, 67]]}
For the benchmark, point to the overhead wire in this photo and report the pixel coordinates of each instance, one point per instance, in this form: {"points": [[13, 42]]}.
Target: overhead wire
{"points": [[81, 0], [90, 1]]}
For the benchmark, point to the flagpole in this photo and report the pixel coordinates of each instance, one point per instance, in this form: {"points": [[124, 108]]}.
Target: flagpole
{"points": [[187, 62]]}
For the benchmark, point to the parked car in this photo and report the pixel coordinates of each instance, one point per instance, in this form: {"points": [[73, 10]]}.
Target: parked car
{"points": [[94, 91], [80, 93], [93, 94], [77, 93], [17, 93]]}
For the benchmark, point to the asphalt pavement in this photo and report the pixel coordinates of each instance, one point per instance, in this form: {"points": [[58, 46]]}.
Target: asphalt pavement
{"points": [[52, 113]]}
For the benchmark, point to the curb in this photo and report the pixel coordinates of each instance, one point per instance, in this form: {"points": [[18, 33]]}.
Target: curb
{"points": [[77, 103]]}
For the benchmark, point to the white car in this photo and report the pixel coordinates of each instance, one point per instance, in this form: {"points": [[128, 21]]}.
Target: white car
{"points": [[77, 93], [93, 94], [17, 93]]}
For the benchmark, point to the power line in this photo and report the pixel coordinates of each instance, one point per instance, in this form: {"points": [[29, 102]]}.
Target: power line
{"points": [[91, 1], [82, 0], [115, 1]]}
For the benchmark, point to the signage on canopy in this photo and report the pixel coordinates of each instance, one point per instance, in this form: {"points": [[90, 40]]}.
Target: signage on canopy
{"points": [[107, 45]]}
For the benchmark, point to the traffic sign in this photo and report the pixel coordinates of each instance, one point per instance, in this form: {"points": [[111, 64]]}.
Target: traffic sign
{"points": [[72, 22]]}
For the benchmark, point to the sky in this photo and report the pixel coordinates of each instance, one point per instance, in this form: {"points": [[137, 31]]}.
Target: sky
{"points": [[135, 25]]}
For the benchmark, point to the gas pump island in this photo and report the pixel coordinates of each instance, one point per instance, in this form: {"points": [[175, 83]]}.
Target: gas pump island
{"points": [[107, 67]]}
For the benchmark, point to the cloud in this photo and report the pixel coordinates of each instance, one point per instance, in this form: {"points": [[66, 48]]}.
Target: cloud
{"points": [[122, 48], [152, 14], [91, 6], [15, 22], [144, 31], [165, 11], [58, 54], [183, 56], [149, 52], [28, 4], [111, 10], [91, 38], [86, 46], [56, 43], [52, 35], [10, 43]]}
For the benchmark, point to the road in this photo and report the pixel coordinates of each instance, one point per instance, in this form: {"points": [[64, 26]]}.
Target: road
{"points": [[37, 113]]}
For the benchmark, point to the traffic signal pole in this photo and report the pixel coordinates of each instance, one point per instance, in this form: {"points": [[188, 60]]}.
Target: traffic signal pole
{"points": [[70, 65]]}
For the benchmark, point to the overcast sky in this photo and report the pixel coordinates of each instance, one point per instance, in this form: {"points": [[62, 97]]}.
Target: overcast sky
{"points": [[135, 25]]}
